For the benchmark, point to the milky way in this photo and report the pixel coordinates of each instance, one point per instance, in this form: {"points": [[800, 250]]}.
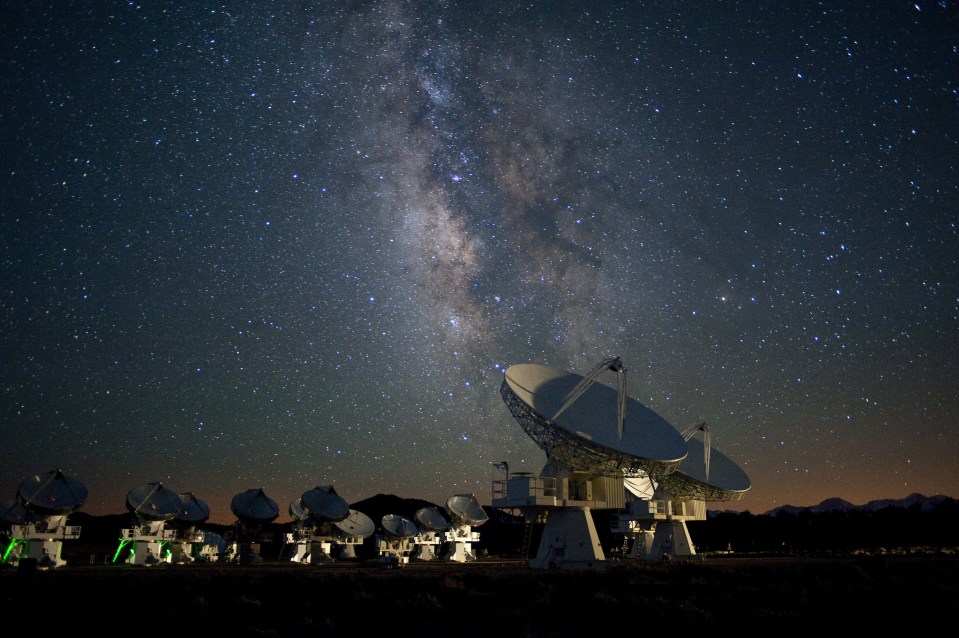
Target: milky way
{"points": [[284, 245]]}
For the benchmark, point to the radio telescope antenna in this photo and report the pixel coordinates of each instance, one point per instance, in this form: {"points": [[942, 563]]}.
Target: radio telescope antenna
{"points": [[616, 365], [314, 514], [658, 523], [706, 473], [254, 511], [324, 504], [38, 519], [583, 437], [396, 541], [352, 531], [152, 505], [189, 541], [431, 523], [465, 513], [13, 513], [596, 438]]}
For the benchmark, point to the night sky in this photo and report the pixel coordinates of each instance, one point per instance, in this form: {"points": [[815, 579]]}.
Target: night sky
{"points": [[288, 244]]}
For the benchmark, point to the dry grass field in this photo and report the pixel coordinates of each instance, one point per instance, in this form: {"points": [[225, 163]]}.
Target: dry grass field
{"points": [[488, 597]]}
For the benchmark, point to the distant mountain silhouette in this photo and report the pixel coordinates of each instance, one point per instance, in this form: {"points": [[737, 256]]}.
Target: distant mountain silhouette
{"points": [[831, 505]]}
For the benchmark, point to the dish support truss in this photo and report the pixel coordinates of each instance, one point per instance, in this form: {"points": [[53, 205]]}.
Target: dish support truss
{"points": [[41, 541], [315, 546], [427, 544], [460, 539], [145, 544], [394, 551], [575, 452]]}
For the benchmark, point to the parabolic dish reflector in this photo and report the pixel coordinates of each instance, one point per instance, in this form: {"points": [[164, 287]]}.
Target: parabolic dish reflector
{"points": [[51, 494], [324, 504], [192, 509], [356, 524], [642, 487], [212, 538], [254, 506], [726, 480], [464, 509], [297, 511], [431, 519], [586, 436], [13, 513], [154, 502], [397, 525]]}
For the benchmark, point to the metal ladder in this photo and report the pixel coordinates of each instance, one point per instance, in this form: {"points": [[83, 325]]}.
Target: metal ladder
{"points": [[527, 538]]}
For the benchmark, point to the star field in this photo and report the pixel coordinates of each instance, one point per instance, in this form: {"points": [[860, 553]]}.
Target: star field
{"points": [[282, 245]]}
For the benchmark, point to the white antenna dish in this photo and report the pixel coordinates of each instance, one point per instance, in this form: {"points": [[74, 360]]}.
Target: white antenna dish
{"points": [[38, 519], [192, 509], [297, 511], [353, 530], [187, 545], [431, 519], [324, 504], [13, 513], [356, 524], [431, 522], [254, 506], [464, 512], [706, 473], [614, 364], [641, 487], [396, 525], [586, 434], [397, 539], [153, 502], [658, 523], [254, 510], [464, 509], [595, 437], [51, 494], [146, 542]]}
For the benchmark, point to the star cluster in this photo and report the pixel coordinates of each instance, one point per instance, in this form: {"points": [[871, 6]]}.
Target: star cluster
{"points": [[281, 245]]}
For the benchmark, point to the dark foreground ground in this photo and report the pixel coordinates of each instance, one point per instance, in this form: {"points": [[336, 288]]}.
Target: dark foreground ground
{"points": [[488, 598]]}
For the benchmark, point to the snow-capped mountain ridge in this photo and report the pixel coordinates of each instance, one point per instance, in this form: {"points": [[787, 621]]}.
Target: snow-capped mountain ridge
{"points": [[927, 503]]}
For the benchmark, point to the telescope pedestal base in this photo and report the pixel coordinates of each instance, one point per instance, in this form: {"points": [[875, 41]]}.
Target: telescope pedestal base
{"points": [[671, 540], [569, 540]]}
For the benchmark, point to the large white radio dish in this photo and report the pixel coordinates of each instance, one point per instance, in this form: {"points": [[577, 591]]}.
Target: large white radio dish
{"points": [[353, 530], [590, 426], [464, 509], [51, 494], [188, 542], [324, 504], [399, 526], [254, 510], [254, 506], [431, 519], [13, 513], [706, 473], [38, 520], [153, 502], [297, 511], [314, 514], [192, 509], [356, 524]]}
